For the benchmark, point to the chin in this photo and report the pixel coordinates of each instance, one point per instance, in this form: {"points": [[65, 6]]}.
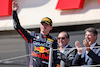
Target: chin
{"points": [[61, 45], [42, 30]]}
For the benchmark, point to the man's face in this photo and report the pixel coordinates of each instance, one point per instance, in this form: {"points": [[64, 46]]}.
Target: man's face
{"points": [[62, 40], [90, 37], [45, 27]]}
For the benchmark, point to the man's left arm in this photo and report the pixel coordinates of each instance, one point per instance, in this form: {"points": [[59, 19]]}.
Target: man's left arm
{"points": [[95, 56]]}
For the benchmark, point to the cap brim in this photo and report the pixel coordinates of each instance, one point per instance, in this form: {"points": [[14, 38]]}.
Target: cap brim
{"points": [[45, 22]]}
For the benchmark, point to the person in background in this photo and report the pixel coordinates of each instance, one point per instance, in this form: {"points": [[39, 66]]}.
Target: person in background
{"points": [[38, 43], [91, 54], [66, 53]]}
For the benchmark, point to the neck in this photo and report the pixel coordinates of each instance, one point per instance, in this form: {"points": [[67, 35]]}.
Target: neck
{"points": [[92, 43], [44, 33], [61, 48]]}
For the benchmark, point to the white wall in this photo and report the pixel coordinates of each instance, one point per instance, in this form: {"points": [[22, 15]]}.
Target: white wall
{"points": [[32, 11]]}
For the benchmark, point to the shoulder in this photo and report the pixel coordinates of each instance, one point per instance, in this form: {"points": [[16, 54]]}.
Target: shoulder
{"points": [[97, 44], [73, 49], [32, 33], [51, 37], [97, 47], [69, 46]]}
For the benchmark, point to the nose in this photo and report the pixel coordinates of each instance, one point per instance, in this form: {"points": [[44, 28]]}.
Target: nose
{"points": [[43, 25]]}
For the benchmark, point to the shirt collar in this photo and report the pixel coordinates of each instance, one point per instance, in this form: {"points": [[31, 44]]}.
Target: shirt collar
{"points": [[91, 47], [45, 36], [64, 48]]}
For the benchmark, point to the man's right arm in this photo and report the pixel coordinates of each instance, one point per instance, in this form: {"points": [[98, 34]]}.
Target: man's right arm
{"points": [[24, 33], [16, 20]]}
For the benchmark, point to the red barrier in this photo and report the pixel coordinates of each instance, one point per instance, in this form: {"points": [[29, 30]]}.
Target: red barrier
{"points": [[5, 7], [69, 4], [99, 1]]}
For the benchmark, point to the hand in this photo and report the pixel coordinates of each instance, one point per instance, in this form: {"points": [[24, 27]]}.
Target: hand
{"points": [[86, 43], [78, 46], [15, 6]]}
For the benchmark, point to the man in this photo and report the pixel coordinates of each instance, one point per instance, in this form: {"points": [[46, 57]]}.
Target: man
{"points": [[91, 54], [38, 43], [67, 53]]}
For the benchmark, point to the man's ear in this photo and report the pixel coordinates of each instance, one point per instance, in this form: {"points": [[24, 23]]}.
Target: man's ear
{"points": [[68, 39], [95, 37]]}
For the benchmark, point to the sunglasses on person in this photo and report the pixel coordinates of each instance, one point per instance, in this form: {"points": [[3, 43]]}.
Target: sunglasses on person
{"points": [[61, 38]]}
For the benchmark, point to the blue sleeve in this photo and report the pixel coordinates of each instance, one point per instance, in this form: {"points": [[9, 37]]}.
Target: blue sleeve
{"points": [[24, 33]]}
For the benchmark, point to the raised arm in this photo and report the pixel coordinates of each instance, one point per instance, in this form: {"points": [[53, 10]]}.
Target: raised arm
{"points": [[15, 6], [24, 33]]}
